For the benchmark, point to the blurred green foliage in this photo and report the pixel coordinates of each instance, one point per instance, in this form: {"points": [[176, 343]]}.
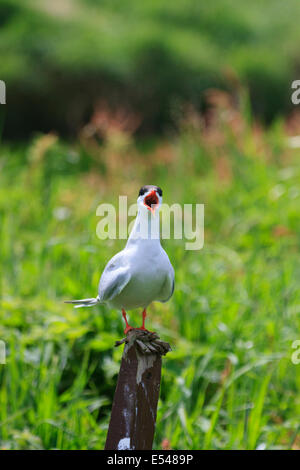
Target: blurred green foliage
{"points": [[58, 58], [229, 381]]}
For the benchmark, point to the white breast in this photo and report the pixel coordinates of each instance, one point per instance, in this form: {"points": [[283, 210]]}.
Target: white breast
{"points": [[149, 265]]}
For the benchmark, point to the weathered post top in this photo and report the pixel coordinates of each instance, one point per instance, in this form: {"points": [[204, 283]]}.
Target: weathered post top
{"points": [[133, 416]]}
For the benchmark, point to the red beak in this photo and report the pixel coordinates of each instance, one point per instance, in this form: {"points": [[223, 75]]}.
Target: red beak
{"points": [[151, 201]]}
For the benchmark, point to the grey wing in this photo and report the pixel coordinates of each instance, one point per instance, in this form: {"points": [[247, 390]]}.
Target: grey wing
{"points": [[114, 278], [168, 286]]}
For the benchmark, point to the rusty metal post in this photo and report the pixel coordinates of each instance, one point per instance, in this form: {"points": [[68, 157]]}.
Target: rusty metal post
{"points": [[133, 416]]}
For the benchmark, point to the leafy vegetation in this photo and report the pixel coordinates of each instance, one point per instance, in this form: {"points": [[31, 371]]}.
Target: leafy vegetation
{"points": [[229, 381]]}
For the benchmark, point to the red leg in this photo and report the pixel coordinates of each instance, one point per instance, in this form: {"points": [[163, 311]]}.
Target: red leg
{"points": [[128, 327], [143, 325], [144, 318]]}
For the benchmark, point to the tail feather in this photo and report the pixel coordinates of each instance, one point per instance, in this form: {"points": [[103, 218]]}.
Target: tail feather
{"points": [[83, 302]]}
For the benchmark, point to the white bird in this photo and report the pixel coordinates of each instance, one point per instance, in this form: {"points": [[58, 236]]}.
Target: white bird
{"points": [[141, 273]]}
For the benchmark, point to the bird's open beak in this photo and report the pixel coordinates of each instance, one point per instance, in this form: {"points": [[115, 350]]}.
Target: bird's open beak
{"points": [[151, 201]]}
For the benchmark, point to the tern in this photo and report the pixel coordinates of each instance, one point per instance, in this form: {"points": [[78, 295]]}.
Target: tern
{"points": [[142, 272]]}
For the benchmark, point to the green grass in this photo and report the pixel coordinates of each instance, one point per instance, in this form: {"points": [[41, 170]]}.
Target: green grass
{"points": [[229, 382]]}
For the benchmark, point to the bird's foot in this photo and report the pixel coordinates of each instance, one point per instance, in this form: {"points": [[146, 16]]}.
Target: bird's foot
{"points": [[128, 328], [144, 329]]}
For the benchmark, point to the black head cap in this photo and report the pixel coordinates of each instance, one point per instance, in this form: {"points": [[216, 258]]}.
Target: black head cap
{"points": [[149, 187]]}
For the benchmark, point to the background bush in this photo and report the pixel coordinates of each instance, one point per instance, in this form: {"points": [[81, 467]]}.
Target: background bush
{"points": [[59, 58]]}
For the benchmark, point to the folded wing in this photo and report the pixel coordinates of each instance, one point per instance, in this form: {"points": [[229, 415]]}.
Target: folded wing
{"points": [[114, 278], [168, 286]]}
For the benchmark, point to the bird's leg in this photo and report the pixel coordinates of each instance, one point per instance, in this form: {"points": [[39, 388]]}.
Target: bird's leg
{"points": [[143, 324], [144, 318], [128, 327]]}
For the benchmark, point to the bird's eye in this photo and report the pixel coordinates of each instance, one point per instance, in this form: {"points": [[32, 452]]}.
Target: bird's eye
{"points": [[142, 191], [145, 189]]}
